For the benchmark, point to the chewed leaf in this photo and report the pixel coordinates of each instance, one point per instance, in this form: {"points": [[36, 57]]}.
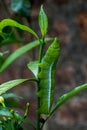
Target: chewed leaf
{"points": [[33, 66], [43, 22], [68, 96], [10, 84], [9, 22]]}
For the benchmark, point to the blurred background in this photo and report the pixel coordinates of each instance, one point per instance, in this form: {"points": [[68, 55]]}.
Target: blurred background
{"points": [[68, 22]]}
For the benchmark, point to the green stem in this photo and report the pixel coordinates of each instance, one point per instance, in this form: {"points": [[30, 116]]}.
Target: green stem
{"points": [[38, 106], [41, 50]]}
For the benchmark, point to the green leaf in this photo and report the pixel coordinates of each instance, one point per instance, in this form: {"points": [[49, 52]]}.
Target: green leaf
{"points": [[11, 124], [17, 116], [68, 96], [33, 66], [10, 84], [11, 103], [10, 100], [9, 22], [43, 21], [4, 111], [11, 95], [21, 7], [20, 52]]}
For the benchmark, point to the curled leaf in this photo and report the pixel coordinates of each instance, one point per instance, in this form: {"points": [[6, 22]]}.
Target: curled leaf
{"points": [[9, 22]]}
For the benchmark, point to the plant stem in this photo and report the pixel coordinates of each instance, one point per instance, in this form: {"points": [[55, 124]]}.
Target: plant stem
{"points": [[41, 50], [38, 101]]}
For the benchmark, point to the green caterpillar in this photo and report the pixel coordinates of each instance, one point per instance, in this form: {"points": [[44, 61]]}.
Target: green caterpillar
{"points": [[47, 77]]}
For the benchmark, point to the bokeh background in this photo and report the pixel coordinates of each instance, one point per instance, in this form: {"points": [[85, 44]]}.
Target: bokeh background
{"points": [[68, 22]]}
